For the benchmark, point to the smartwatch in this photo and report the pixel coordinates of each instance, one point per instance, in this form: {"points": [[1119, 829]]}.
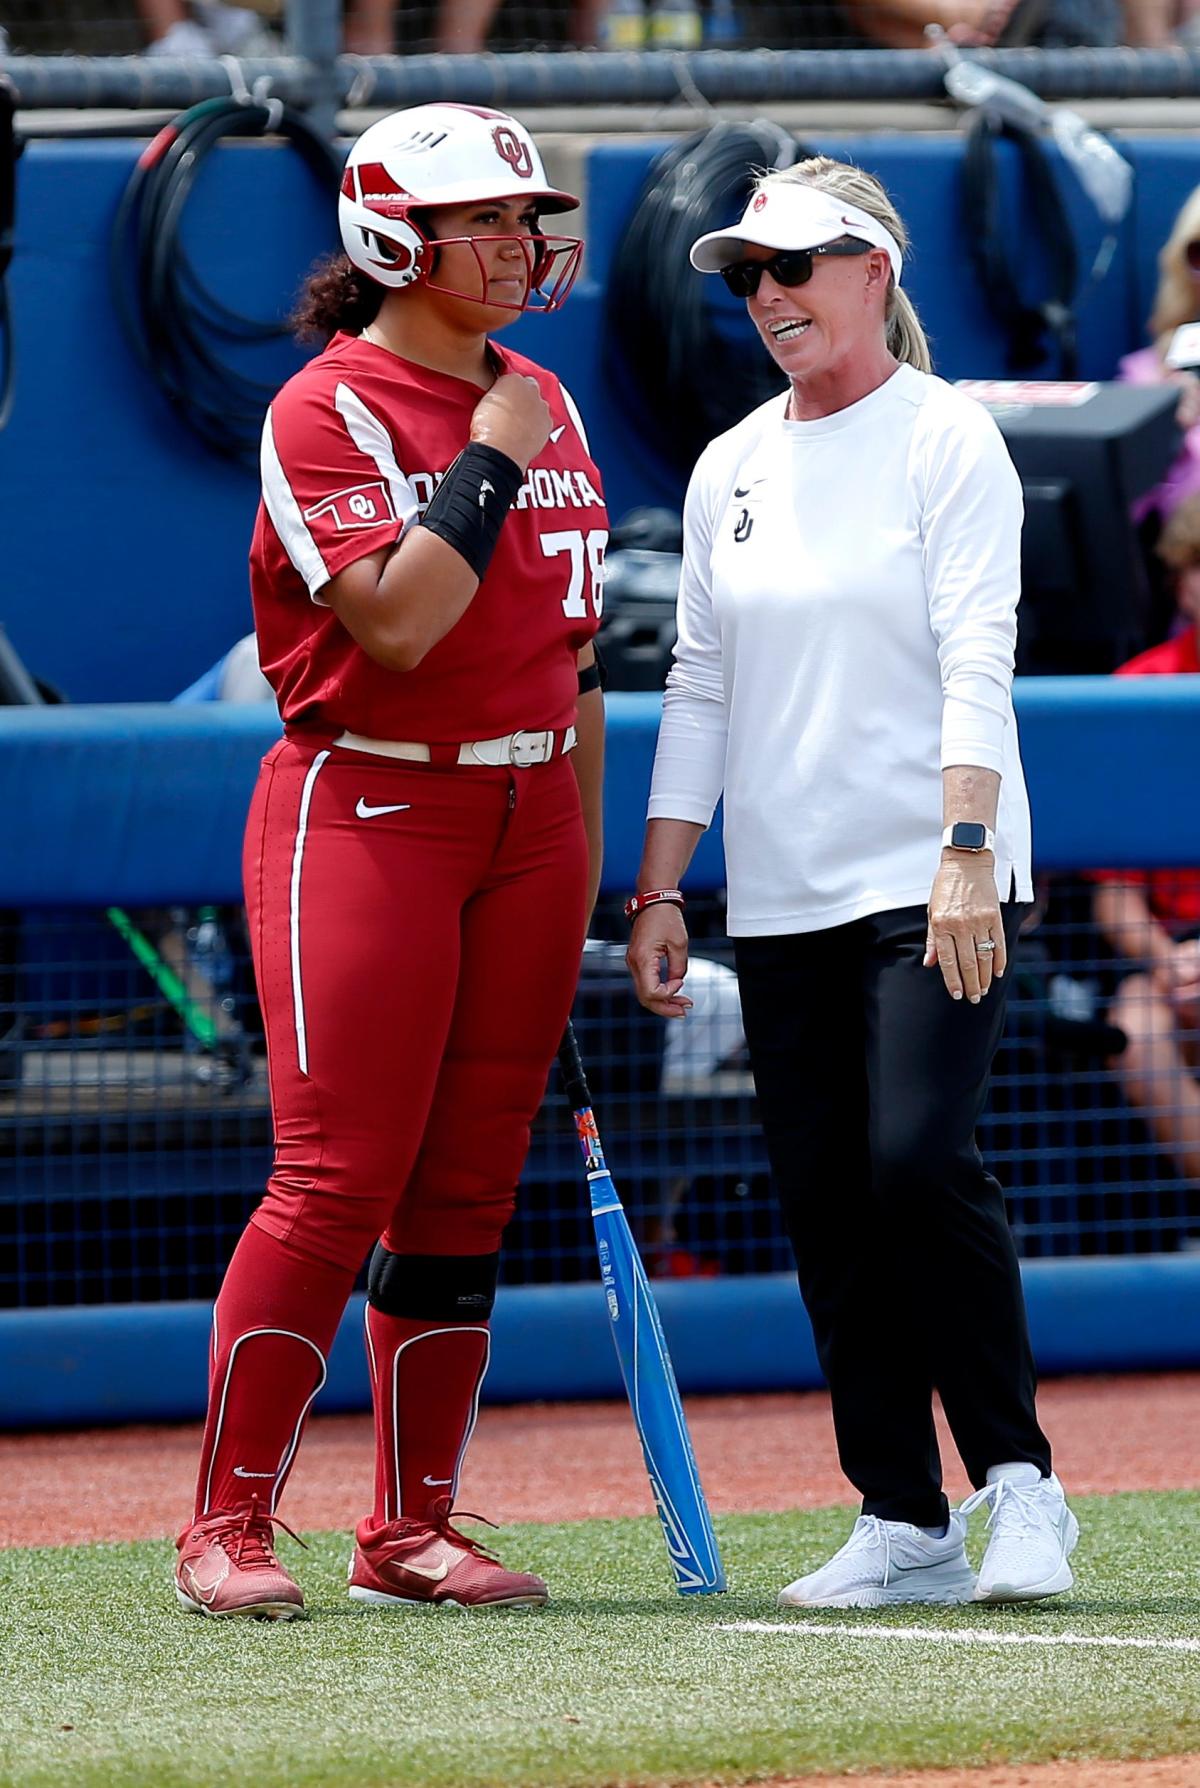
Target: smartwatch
{"points": [[968, 835]]}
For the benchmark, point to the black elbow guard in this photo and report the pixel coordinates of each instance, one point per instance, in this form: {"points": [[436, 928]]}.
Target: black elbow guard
{"points": [[594, 676]]}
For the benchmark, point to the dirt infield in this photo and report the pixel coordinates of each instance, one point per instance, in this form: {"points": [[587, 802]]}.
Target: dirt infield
{"points": [[1161, 1772], [541, 1462]]}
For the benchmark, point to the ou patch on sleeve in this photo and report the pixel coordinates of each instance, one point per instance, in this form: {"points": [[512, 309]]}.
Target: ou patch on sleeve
{"points": [[360, 506]]}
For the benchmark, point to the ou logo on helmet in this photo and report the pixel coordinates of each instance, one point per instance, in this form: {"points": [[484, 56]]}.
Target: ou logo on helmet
{"points": [[511, 149]]}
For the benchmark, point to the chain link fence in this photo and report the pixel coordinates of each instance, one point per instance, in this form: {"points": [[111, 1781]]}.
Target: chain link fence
{"points": [[133, 1145]]}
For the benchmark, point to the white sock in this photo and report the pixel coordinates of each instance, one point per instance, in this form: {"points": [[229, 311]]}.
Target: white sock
{"points": [[1017, 1472]]}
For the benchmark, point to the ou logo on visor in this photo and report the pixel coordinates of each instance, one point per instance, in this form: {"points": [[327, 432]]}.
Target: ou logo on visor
{"points": [[511, 149]]}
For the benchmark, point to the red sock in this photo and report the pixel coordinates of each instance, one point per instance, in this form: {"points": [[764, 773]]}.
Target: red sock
{"points": [[273, 1325], [425, 1381]]}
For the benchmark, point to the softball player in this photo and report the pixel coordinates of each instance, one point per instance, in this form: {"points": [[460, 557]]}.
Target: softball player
{"points": [[422, 848]]}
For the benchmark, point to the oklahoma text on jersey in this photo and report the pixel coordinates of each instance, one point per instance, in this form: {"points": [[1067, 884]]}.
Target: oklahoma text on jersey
{"points": [[353, 449]]}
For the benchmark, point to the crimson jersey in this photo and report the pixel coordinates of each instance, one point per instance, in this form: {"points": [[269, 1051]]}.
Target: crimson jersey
{"points": [[353, 448], [1173, 895]]}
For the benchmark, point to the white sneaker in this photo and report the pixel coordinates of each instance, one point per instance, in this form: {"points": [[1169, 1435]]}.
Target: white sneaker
{"points": [[1033, 1533], [888, 1561]]}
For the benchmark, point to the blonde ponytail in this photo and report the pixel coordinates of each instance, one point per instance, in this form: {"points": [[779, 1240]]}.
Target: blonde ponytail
{"points": [[905, 336]]}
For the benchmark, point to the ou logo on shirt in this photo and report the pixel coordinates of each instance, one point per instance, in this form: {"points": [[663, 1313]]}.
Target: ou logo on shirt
{"points": [[361, 506]]}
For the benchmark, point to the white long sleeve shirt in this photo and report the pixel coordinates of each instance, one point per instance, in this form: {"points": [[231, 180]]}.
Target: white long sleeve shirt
{"points": [[847, 624]]}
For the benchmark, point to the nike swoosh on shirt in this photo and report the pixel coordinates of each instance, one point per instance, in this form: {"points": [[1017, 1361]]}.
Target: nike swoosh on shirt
{"points": [[365, 812], [749, 487], [556, 432]]}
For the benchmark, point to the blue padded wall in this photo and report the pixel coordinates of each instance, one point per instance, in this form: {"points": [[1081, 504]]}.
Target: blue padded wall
{"points": [[146, 1362], [146, 806], [125, 540]]}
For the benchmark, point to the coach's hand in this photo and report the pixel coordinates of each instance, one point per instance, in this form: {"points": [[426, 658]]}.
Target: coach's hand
{"points": [[514, 418], [964, 912], [657, 959]]}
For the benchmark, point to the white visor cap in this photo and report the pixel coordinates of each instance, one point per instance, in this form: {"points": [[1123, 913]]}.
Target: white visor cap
{"points": [[786, 214]]}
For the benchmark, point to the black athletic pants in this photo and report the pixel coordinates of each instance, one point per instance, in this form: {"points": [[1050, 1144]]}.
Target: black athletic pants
{"points": [[870, 1082]]}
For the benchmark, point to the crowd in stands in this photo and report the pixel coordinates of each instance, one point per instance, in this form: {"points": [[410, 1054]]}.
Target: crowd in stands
{"points": [[375, 27], [205, 28]]}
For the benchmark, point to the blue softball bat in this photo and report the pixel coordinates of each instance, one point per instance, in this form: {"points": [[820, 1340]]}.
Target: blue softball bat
{"points": [[645, 1363]]}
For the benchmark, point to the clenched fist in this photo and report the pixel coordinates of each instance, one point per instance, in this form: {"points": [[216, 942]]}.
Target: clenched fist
{"points": [[513, 417]]}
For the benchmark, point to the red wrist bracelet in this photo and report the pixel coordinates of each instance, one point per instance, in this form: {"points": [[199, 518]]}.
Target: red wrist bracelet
{"points": [[637, 903]]}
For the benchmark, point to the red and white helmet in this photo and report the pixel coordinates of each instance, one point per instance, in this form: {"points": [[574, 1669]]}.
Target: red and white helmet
{"points": [[448, 155]]}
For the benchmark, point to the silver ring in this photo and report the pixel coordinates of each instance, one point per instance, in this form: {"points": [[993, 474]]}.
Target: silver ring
{"points": [[985, 948]]}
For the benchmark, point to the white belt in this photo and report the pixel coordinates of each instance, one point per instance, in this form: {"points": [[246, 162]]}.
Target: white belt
{"points": [[518, 749]]}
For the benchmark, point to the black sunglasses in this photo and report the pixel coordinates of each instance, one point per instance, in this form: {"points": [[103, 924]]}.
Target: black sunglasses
{"points": [[790, 267]]}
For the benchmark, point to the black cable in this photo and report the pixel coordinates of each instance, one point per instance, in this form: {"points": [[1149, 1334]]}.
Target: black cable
{"points": [[179, 328], [688, 361], [996, 246]]}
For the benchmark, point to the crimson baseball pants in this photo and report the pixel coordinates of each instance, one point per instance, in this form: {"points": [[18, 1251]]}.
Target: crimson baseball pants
{"points": [[870, 1082], [416, 932]]}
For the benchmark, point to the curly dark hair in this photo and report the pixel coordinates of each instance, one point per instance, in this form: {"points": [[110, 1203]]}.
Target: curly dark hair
{"points": [[335, 296]]}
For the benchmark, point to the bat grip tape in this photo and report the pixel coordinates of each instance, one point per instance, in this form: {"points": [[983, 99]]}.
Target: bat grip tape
{"points": [[570, 1066]]}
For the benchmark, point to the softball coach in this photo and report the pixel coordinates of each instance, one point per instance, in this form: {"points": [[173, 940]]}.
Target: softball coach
{"points": [[847, 621]]}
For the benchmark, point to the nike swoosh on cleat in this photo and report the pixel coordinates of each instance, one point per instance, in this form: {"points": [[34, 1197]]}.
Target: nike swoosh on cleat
{"points": [[240, 1472], [206, 1592], [432, 1482], [896, 1570], [365, 812], [443, 1570]]}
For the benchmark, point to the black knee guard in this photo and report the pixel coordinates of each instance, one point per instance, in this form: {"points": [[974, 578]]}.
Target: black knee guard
{"points": [[433, 1287]]}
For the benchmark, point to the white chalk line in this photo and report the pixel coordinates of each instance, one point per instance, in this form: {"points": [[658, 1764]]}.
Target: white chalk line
{"points": [[811, 1629]]}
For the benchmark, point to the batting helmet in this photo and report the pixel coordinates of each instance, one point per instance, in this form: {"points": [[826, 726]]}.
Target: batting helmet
{"points": [[448, 155]]}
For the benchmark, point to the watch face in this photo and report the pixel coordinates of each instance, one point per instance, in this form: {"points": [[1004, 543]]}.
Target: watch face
{"points": [[968, 835]]}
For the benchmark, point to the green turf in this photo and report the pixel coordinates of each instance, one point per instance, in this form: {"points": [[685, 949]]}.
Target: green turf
{"points": [[617, 1681]]}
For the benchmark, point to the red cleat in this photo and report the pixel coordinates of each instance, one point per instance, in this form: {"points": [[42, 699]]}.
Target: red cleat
{"points": [[227, 1565], [429, 1563]]}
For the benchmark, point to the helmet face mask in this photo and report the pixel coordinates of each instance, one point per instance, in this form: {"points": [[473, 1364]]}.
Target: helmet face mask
{"points": [[451, 156], [551, 264]]}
